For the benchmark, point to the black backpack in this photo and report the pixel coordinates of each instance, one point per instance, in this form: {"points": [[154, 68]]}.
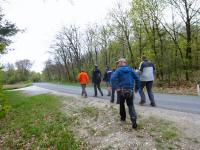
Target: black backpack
{"points": [[98, 76]]}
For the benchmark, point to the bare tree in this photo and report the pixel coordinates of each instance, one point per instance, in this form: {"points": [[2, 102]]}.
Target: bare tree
{"points": [[72, 37], [104, 41], [122, 22], [60, 49], [23, 67], [189, 12]]}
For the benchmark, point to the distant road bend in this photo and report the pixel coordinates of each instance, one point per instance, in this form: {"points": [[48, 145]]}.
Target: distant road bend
{"points": [[182, 103]]}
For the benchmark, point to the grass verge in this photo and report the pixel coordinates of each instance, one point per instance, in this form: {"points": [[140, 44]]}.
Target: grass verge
{"points": [[36, 123], [175, 90]]}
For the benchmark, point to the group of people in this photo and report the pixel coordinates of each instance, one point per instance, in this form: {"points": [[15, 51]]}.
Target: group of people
{"points": [[125, 80]]}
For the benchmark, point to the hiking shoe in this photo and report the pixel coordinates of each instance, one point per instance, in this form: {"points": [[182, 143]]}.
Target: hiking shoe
{"points": [[134, 124], [123, 120], [142, 103], [153, 104]]}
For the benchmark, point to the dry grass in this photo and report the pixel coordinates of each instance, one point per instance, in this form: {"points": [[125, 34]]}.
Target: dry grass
{"points": [[15, 86], [177, 90], [97, 123]]}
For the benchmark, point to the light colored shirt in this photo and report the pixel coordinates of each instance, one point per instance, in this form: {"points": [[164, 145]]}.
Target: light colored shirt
{"points": [[147, 71]]}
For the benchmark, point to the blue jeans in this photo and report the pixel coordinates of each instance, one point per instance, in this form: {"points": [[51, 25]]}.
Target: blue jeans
{"points": [[149, 85], [83, 86]]}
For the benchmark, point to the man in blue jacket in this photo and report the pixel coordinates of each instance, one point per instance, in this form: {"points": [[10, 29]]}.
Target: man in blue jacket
{"points": [[123, 80]]}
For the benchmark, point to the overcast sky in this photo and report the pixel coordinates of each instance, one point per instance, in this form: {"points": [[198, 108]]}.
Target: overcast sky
{"points": [[42, 19]]}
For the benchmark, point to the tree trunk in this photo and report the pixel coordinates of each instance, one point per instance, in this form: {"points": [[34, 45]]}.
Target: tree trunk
{"points": [[161, 51], [96, 55], [68, 76], [129, 47], [188, 50], [140, 41]]}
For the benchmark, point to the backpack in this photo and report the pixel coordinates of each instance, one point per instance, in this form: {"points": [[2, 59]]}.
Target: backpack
{"points": [[98, 76]]}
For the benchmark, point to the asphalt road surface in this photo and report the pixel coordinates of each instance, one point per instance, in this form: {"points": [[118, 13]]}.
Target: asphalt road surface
{"points": [[168, 101]]}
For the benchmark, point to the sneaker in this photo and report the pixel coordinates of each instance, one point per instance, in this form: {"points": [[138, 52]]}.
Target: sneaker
{"points": [[134, 124]]}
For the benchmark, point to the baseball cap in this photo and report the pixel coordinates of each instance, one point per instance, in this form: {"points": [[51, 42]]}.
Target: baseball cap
{"points": [[121, 60]]}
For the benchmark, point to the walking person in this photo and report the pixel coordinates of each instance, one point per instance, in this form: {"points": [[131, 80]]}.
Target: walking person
{"points": [[83, 78], [123, 80], [147, 70], [96, 80], [106, 79], [112, 88]]}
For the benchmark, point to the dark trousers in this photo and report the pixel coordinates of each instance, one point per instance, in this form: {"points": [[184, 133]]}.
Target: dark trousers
{"points": [[108, 88], [149, 85], [113, 95], [130, 104], [83, 86], [97, 86]]}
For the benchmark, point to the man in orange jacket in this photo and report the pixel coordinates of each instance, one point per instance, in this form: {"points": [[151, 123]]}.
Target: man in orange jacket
{"points": [[83, 78]]}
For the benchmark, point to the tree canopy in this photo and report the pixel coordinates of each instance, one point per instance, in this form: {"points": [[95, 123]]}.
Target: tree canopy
{"points": [[172, 45], [7, 29]]}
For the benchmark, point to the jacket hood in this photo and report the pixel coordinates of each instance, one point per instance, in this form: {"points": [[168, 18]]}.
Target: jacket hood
{"points": [[125, 69]]}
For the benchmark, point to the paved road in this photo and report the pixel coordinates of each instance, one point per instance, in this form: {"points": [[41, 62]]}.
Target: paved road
{"points": [[168, 101]]}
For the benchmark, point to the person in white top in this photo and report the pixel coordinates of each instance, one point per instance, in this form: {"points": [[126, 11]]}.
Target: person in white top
{"points": [[147, 70]]}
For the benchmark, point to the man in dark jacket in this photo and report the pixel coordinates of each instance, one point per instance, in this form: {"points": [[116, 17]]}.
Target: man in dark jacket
{"points": [[96, 80], [123, 80]]}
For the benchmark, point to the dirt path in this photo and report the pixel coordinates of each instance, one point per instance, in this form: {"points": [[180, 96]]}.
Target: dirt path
{"points": [[96, 122]]}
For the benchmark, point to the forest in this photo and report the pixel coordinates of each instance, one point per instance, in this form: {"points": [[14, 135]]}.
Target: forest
{"points": [[166, 31]]}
